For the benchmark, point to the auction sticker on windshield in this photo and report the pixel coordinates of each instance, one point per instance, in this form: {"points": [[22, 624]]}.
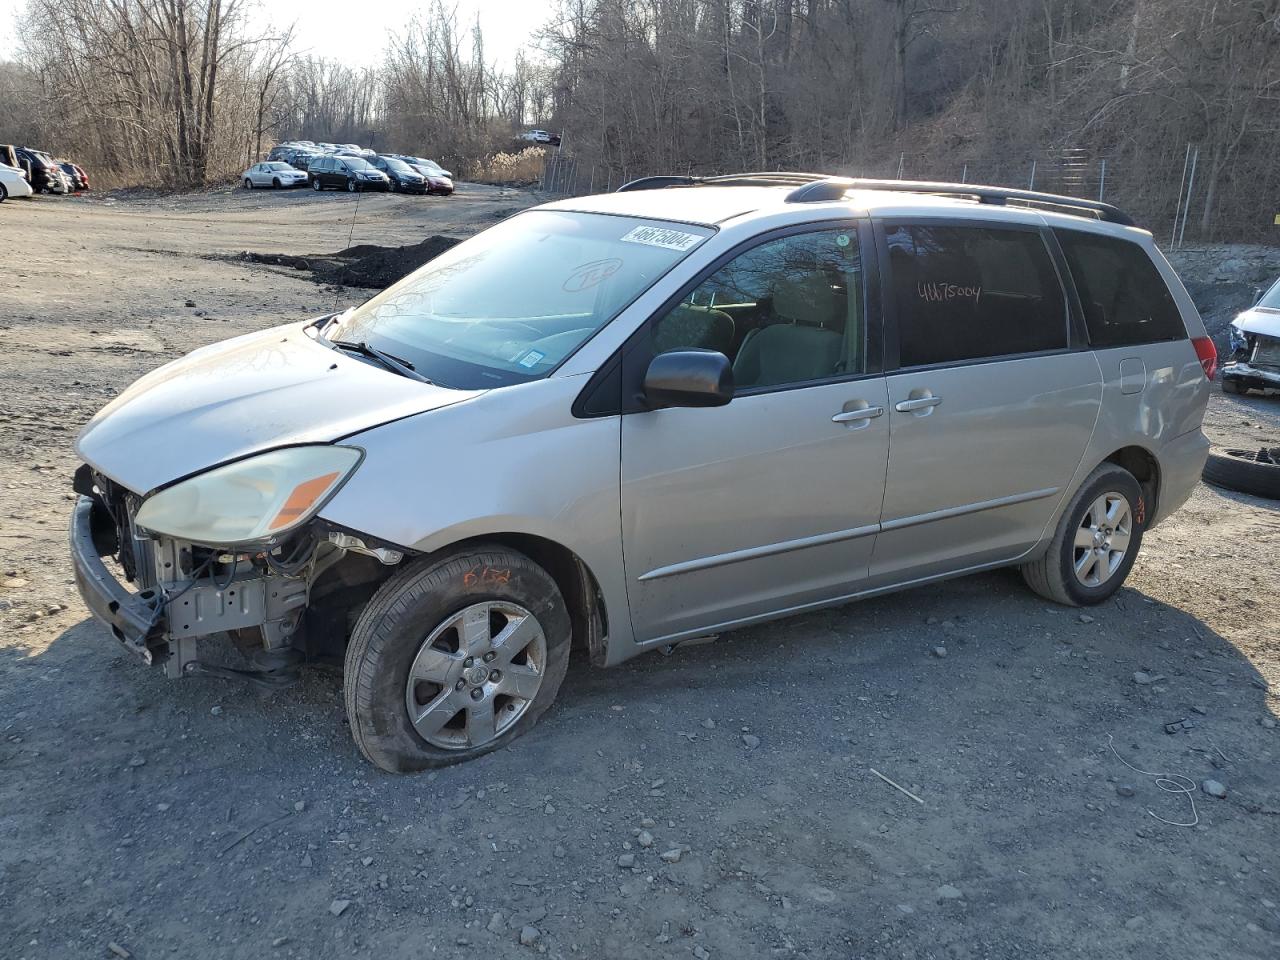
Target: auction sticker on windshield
{"points": [[662, 237]]}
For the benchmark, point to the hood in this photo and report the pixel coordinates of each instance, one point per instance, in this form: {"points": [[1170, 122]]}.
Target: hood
{"points": [[222, 402], [1259, 320]]}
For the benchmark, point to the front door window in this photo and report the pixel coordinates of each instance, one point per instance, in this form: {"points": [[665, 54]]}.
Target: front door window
{"points": [[787, 311]]}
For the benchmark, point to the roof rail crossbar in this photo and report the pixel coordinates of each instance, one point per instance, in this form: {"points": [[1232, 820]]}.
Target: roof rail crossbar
{"points": [[834, 188], [773, 178]]}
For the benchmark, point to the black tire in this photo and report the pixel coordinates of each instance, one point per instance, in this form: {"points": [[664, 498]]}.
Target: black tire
{"points": [[248, 184], [1232, 386], [352, 186], [405, 611], [275, 183], [1246, 471], [4, 194], [316, 185], [1053, 575]]}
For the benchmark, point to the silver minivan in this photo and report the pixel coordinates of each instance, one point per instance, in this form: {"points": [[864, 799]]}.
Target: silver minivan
{"points": [[626, 421]]}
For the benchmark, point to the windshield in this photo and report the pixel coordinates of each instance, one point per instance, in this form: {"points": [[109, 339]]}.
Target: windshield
{"points": [[1271, 298], [357, 164], [278, 166], [511, 303], [399, 166]]}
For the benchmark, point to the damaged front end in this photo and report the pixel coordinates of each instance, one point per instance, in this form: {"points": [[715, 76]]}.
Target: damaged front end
{"points": [[283, 597], [1255, 348]]}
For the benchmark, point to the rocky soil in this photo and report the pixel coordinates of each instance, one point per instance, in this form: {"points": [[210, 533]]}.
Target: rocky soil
{"points": [[719, 803]]}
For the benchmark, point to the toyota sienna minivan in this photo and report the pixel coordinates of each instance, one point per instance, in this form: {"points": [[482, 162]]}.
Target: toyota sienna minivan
{"points": [[621, 422]]}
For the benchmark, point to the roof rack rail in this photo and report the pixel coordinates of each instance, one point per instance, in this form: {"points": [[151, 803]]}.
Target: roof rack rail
{"points": [[772, 178], [834, 188]]}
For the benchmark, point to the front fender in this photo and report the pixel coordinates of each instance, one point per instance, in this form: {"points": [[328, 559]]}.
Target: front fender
{"points": [[512, 461]]}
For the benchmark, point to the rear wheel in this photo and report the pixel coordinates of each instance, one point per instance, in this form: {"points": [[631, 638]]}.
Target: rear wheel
{"points": [[1096, 541], [248, 184], [454, 657], [4, 194]]}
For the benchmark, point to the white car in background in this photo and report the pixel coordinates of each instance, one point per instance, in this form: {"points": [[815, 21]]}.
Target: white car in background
{"points": [[13, 182], [273, 173]]}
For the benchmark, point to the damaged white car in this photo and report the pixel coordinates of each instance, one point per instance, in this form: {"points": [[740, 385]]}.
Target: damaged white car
{"points": [[1255, 347]]}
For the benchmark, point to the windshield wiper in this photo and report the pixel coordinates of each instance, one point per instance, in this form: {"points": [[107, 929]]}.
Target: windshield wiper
{"points": [[393, 363]]}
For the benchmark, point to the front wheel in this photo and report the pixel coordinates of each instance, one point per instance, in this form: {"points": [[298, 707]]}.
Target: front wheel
{"points": [[1096, 541], [248, 184], [315, 185], [275, 183], [352, 186], [454, 657]]}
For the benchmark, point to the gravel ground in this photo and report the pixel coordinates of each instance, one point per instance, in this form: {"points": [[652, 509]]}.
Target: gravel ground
{"points": [[716, 803]]}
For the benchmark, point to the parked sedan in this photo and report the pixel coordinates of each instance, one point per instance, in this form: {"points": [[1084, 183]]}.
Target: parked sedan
{"points": [[426, 166], [273, 173], [439, 181], [404, 178], [352, 173], [75, 173], [13, 182]]}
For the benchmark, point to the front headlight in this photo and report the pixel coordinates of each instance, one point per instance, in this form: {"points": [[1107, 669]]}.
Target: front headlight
{"points": [[255, 499]]}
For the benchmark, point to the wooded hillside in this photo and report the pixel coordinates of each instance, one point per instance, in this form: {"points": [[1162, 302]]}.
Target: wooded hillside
{"points": [[183, 91]]}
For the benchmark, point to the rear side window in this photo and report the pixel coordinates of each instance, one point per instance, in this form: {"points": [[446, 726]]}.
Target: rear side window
{"points": [[969, 293], [1125, 300]]}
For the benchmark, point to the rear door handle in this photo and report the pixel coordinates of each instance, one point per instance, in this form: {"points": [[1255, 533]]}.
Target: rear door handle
{"points": [[864, 413], [919, 403]]}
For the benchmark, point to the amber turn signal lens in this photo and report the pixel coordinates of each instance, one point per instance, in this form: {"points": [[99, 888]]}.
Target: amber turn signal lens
{"points": [[301, 499]]}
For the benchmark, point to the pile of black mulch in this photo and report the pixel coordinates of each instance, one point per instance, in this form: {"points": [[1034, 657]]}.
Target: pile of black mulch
{"points": [[364, 265]]}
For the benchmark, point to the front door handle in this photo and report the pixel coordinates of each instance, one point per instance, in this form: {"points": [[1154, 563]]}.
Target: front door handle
{"points": [[863, 413], [918, 403]]}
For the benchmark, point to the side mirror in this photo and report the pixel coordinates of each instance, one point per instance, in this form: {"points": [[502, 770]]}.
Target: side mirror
{"points": [[689, 378]]}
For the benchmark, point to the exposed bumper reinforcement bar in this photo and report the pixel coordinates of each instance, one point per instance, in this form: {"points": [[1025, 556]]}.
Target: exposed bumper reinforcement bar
{"points": [[133, 618]]}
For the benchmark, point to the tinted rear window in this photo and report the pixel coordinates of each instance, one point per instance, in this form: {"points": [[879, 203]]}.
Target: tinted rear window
{"points": [[967, 293], [1125, 299]]}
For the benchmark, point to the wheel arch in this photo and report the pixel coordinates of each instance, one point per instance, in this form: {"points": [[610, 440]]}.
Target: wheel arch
{"points": [[1145, 467], [578, 584]]}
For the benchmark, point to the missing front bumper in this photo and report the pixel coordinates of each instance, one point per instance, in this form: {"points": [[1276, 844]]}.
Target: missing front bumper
{"points": [[162, 624]]}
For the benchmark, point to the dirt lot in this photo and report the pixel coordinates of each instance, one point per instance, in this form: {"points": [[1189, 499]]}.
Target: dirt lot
{"points": [[198, 818]]}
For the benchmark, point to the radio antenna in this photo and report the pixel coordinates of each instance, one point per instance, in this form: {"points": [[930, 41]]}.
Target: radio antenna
{"points": [[351, 233]]}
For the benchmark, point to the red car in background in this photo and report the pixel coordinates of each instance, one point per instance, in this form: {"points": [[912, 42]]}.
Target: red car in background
{"points": [[75, 174]]}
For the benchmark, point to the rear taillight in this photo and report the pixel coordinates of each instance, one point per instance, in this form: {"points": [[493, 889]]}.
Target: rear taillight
{"points": [[1208, 355]]}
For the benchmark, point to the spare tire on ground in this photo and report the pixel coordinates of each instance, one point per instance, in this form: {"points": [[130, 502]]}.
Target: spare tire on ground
{"points": [[1248, 471]]}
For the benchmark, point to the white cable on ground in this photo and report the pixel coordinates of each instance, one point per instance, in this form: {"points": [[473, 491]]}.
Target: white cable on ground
{"points": [[1169, 783]]}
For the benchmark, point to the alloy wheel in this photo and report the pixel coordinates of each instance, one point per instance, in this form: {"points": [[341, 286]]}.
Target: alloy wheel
{"points": [[1102, 539], [476, 675]]}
